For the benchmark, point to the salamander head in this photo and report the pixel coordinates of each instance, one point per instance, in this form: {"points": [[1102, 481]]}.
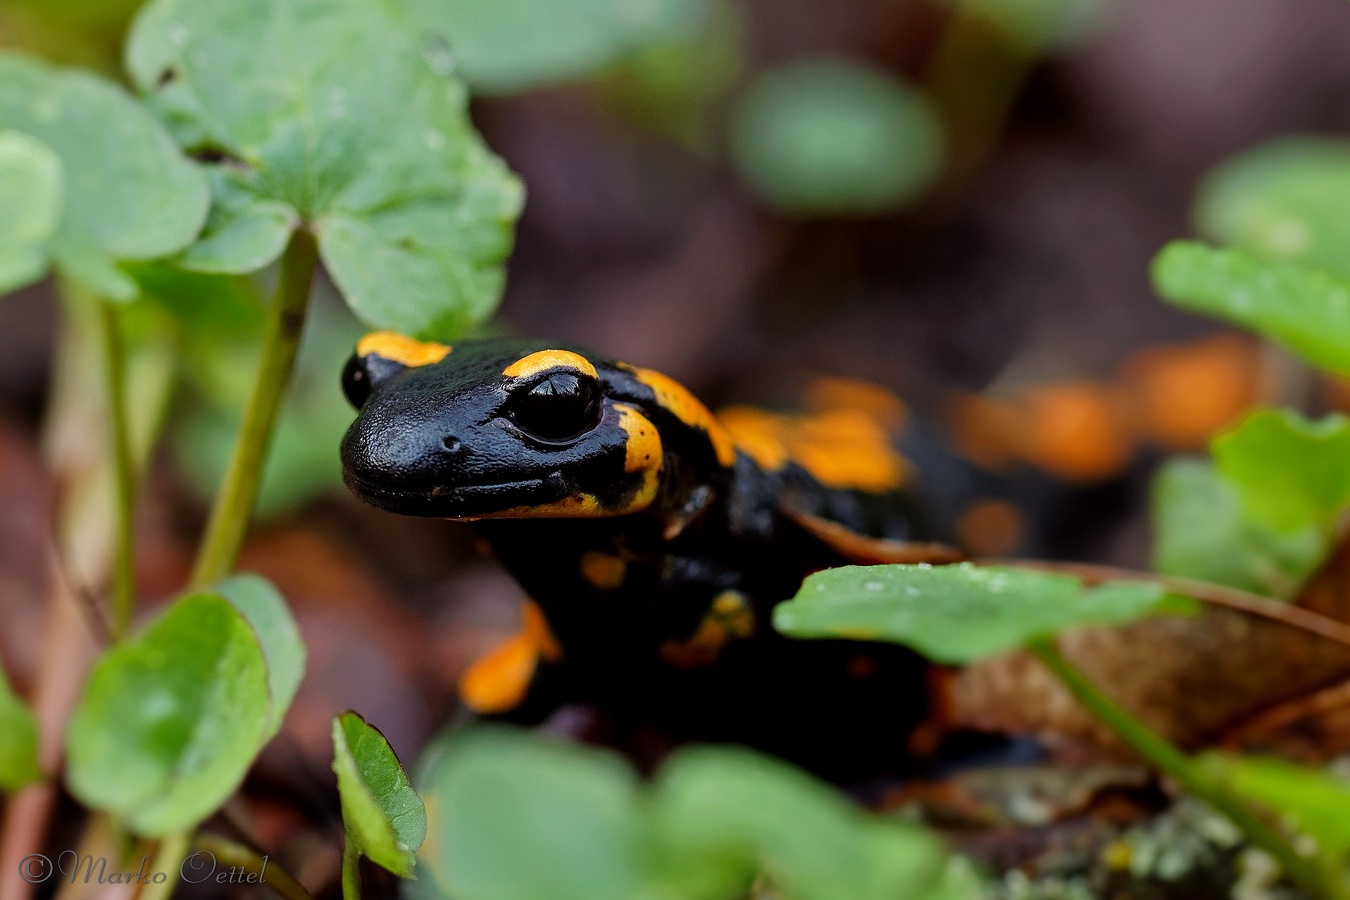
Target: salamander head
{"points": [[495, 428]]}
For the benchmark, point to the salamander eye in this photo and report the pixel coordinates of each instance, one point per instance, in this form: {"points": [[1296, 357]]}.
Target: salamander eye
{"points": [[356, 382], [558, 408]]}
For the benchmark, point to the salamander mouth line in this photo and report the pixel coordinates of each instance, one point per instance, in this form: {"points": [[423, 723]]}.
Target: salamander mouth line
{"points": [[374, 491]]}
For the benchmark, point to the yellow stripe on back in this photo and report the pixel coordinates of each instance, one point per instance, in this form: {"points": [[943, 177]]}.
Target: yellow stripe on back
{"points": [[677, 400], [401, 349], [549, 359]]}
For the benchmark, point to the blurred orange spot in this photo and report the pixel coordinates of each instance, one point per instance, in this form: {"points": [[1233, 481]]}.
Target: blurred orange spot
{"points": [[991, 528], [842, 448], [500, 679], [1184, 394], [1075, 430], [879, 404]]}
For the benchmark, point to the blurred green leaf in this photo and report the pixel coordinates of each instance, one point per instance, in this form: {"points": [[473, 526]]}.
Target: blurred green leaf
{"points": [[18, 740], [171, 718], [506, 46], [129, 193], [516, 817], [961, 613], [1308, 310], [413, 215], [32, 190], [1285, 200], [267, 613], [723, 815], [1200, 532], [1038, 25], [1290, 473], [835, 136], [1309, 800], [676, 86], [384, 818]]}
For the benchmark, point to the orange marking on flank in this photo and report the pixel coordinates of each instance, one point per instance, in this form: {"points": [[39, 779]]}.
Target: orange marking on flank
{"points": [[680, 402], [500, 679], [841, 448]]}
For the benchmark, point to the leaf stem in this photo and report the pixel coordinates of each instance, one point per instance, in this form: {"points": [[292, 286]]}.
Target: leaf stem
{"points": [[233, 507], [124, 470], [229, 853], [351, 872], [1312, 874], [169, 860]]}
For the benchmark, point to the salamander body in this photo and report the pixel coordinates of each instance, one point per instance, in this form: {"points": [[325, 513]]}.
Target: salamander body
{"points": [[653, 540]]}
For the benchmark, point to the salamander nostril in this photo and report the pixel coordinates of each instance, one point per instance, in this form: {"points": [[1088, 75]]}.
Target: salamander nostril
{"points": [[450, 443]]}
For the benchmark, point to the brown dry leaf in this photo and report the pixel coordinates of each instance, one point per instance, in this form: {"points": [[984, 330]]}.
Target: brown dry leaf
{"points": [[1192, 680]]}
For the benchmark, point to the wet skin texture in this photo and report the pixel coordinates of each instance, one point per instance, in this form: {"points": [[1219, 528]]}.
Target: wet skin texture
{"points": [[653, 546]]}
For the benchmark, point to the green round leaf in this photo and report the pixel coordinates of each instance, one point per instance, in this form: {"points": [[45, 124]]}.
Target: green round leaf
{"points": [[520, 818], [1307, 310], [1290, 473], [384, 818], [1313, 802], [413, 215], [1288, 199], [18, 740], [725, 815], [129, 193], [503, 46], [835, 136], [1200, 532], [961, 613], [274, 627], [171, 718], [32, 190]]}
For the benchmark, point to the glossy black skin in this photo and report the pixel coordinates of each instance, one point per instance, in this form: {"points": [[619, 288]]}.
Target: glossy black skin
{"points": [[842, 708]]}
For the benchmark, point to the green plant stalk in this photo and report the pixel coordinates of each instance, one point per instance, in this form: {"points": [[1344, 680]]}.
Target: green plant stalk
{"points": [[1316, 875], [123, 597], [169, 860], [351, 872], [228, 853], [233, 506]]}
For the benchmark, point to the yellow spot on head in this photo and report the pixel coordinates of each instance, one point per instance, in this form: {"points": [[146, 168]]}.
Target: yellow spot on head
{"points": [[549, 359], [603, 570], [677, 399], [401, 349]]}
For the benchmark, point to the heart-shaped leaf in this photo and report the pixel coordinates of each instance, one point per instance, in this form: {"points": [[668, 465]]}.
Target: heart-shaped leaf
{"points": [[724, 816], [18, 740], [1308, 310], [130, 194], [1290, 473], [32, 190], [385, 820], [502, 46], [1200, 532], [171, 718], [269, 616], [1285, 200], [961, 613], [514, 817], [413, 215]]}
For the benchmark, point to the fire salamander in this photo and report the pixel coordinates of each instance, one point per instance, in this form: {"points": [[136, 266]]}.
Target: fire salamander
{"points": [[654, 540]]}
